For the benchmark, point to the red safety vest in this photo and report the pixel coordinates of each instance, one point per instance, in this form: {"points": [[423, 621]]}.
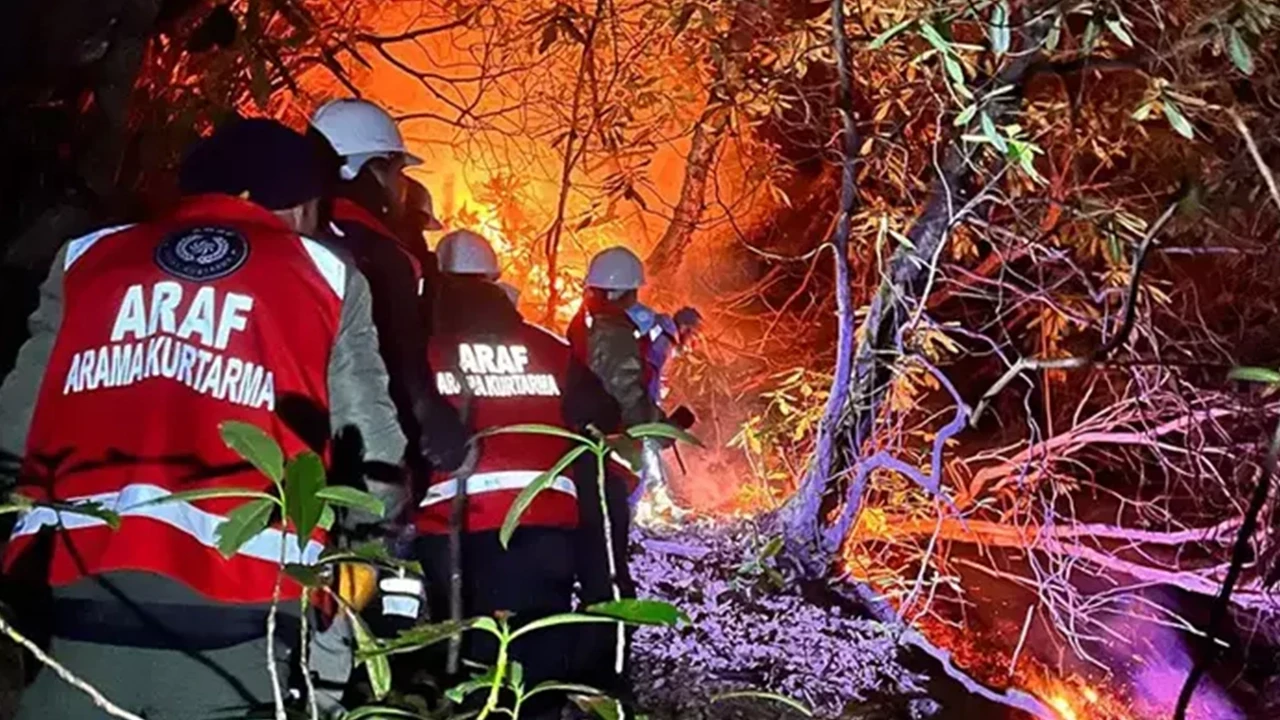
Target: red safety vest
{"points": [[514, 380], [170, 328]]}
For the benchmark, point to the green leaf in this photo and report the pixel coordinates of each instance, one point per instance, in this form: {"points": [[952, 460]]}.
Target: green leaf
{"points": [[663, 430], [205, 494], [424, 635], [376, 664], [306, 575], [377, 712], [759, 695], [954, 69], [1241, 55], [1000, 33], [966, 115], [303, 481], [561, 619], [641, 612], [1144, 111], [554, 686], [254, 445], [373, 553], [601, 706], [1054, 37], [352, 498], [931, 34], [1117, 28], [1177, 120], [526, 496], [327, 517], [1091, 35], [883, 38], [772, 549], [90, 508], [18, 503], [1255, 374], [993, 134], [242, 524], [534, 429], [459, 692], [515, 676]]}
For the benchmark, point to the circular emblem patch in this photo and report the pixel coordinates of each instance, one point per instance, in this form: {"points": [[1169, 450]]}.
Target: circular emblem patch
{"points": [[202, 253]]}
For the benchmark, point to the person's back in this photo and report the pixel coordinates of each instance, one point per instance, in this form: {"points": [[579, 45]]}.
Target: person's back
{"points": [[148, 339], [501, 371], [168, 329], [369, 214]]}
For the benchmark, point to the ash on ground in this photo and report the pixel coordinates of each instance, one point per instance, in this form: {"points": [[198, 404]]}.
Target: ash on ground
{"points": [[753, 631]]}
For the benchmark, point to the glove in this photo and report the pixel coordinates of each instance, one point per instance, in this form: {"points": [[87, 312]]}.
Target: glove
{"points": [[356, 584], [682, 418]]}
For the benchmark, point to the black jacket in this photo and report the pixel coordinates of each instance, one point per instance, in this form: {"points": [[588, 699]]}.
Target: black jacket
{"points": [[436, 437]]}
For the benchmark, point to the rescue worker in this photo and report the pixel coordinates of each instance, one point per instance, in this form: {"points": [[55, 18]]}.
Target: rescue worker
{"points": [[614, 335], [500, 370], [368, 207], [419, 219], [148, 337]]}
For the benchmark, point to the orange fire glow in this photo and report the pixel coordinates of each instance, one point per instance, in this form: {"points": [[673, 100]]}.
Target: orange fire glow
{"points": [[1073, 698]]}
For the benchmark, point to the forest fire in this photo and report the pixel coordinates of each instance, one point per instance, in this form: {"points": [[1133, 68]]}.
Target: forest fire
{"points": [[983, 283]]}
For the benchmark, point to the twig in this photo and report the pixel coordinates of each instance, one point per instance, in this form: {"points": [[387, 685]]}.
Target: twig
{"points": [[1126, 325], [418, 32], [1022, 639], [305, 661], [277, 693], [67, 676], [1239, 555], [1263, 170]]}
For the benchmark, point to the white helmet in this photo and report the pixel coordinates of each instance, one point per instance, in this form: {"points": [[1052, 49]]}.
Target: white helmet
{"points": [[359, 131], [615, 268], [463, 252]]}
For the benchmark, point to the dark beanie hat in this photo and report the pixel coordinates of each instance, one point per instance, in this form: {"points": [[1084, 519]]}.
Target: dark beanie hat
{"points": [[278, 167]]}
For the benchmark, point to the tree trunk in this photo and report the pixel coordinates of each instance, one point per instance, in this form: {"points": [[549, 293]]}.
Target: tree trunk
{"points": [[859, 399], [708, 133], [803, 513], [750, 18]]}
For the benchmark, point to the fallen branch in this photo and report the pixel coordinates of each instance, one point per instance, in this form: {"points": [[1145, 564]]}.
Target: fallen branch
{"points": [[1200, 583], [1003, 535]]}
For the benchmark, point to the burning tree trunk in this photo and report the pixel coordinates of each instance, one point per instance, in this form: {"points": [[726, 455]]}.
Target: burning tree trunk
{"points": [[707, 135]]}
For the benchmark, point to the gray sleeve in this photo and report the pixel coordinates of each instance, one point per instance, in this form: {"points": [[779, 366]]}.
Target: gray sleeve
{"points": [[613, 353], [20, 390], [361, 414]]}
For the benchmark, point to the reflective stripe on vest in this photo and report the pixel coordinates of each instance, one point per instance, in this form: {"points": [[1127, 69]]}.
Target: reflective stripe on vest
{"points": [[191, 520], [494, 482]]}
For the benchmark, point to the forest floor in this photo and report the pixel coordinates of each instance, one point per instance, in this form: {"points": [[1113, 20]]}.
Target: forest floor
{"points": [[749, 632]]}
